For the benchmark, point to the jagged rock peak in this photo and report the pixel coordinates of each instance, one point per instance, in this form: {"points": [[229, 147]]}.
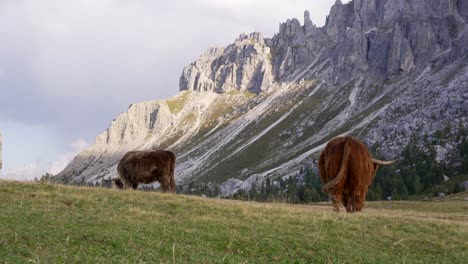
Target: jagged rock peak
{"points": [[291, 27], [339, 18], [309, 27], [244, 65], [307, 20], [254, 36], [359, 31], [213, 51]]}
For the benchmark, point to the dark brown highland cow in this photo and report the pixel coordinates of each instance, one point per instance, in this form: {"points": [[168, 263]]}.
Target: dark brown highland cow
{"points": [[146, 167], [347, 170]]}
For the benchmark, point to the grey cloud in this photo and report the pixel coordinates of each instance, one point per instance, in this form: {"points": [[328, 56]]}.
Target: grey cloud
{"points": [[74, 65]]}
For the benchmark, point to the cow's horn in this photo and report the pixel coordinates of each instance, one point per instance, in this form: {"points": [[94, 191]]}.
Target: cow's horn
{"points": [[383, 162]]}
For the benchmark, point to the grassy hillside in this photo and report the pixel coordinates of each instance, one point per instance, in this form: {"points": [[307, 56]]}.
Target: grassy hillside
{"points": [[43, 223]]}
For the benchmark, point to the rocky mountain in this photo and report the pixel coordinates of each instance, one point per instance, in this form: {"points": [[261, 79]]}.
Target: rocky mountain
{"points": [[381, 70]]}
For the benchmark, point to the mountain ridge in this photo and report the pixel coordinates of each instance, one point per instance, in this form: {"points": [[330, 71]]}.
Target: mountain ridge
{"points": [[261, 107]]}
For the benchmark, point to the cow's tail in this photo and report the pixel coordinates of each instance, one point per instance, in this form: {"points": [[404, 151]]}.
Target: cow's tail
{"points": [[343, 172], [172, 171]]}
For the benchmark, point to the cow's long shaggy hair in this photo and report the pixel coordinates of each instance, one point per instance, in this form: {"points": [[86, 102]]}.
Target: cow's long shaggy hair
{"points": [[146, 167], [347, 170]]}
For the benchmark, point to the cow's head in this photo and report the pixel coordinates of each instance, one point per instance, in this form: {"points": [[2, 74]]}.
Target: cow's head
{"points": [[117, 183]]}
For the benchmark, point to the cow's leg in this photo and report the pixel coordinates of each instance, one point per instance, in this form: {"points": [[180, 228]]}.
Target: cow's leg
{"points": [[336, 199], [165, 183], [359, 202], [345, 200], [168, 178], [135, 186], [166, 187], [348, 203], [127, 184], [351, 205], [171, 173]]}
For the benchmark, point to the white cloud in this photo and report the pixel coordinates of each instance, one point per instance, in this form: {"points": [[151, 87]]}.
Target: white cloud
{"points": [[62, 161], [27, 172]]}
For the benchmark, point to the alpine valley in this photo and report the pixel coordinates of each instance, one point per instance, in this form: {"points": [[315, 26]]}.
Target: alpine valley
{"points": [[385, 71]]}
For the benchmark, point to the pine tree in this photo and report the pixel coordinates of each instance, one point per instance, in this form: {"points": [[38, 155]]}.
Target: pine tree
{"points": [[378, 192], [464, 155], [457, 188]]}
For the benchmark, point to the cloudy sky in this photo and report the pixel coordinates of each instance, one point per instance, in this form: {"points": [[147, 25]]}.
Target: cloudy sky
{"points": [[68, 67]]}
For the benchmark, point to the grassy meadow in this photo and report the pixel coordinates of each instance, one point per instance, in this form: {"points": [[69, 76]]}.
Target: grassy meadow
{"points": [[47, 223]]}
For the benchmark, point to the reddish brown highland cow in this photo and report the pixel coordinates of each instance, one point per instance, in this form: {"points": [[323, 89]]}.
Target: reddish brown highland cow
{"points": [[347, 170], [146, 167]]}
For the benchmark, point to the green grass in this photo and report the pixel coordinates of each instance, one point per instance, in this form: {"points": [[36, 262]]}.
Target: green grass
{"points": [[177, 103], [450, 209], [44, 223], [245, 94]]}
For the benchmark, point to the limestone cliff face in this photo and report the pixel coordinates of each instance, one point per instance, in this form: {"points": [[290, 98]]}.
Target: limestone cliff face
{"points": [[382, 70], [135, 124]]}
